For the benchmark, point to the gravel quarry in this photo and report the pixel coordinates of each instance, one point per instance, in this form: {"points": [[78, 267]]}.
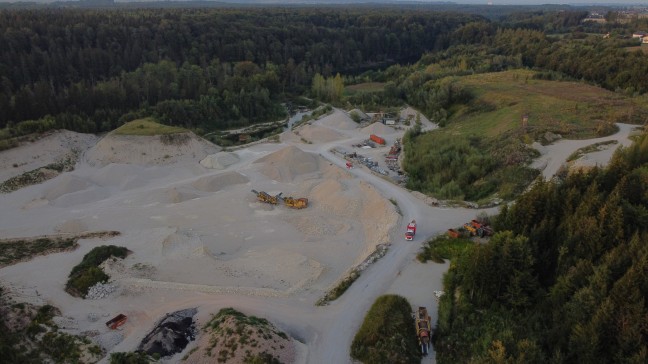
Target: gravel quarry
{"points": [[200, 238]]}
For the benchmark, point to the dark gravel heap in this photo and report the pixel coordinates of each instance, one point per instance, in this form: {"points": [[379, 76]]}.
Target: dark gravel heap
{"points": [[171, 335]]}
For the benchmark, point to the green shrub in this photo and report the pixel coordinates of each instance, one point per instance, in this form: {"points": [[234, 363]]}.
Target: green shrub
{"points": [[388, 333], [443, 247], [87, 273], [61, 347], [82, 281], [98, 255]]}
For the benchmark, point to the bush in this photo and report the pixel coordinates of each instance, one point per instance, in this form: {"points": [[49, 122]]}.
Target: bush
{"points": [[443, 247], [87, 273], [82, 281], [98, 255], [388, 333]]}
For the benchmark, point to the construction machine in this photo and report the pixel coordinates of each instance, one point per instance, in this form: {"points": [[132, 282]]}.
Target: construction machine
{"points": [[423, 329], [471, 230], [267, 198], [481, 229], [452, 233], [295, 203]]}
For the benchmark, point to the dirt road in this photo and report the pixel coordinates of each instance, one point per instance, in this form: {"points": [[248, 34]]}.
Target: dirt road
{"points": [[555, 155]]}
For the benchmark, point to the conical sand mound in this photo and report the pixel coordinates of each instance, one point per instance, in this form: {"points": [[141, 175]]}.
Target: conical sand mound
{"points": [[220, 160], [286, 164], [149, 150], [65, 184], [378, 128], [175, 195], [319, 134], [219, 181], [338, 120]]}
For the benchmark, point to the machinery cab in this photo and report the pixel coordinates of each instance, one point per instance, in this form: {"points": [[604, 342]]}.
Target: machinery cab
{"points": [[409, 235], [411, 231]]}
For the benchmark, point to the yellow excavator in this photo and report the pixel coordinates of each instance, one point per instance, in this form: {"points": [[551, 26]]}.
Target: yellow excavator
{"points": [[267, 198], [295, 203]]}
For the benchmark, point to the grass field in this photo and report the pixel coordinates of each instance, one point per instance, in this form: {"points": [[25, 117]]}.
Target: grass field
{"points": [[483, 152], [147, 126], [571, 109]]}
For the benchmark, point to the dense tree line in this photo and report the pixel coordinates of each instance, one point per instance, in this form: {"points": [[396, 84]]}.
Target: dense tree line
{"points": [[565, 281], [85, 63]]}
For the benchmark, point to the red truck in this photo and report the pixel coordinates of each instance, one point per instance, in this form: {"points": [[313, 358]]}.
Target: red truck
{"points": [[411, 230], [117, 321]]}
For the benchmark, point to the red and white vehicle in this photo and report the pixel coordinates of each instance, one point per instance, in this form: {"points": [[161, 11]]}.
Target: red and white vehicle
{"points": [[411, 230]]}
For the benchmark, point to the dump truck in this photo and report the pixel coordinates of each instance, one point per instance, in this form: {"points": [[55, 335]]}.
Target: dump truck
{"points": [[295, 203], [423, 329], [267, 198], [377, 139], [117, 321], [411, 230]]}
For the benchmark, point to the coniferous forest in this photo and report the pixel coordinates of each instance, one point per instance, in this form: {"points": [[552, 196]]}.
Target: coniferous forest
{"points": [[564, 281], [205, 68]]}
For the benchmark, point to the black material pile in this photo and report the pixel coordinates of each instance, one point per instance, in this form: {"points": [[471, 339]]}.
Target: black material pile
{"points": [[171, 335]]}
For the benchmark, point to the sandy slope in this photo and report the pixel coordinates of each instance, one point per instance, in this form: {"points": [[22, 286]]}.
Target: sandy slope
{"points": [[49, 149], [201, 239]]}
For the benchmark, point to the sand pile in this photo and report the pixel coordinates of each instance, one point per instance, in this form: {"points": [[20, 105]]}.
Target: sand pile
{"points": [[183, 244], [332, 196], [65, 184], [359, 113], [179, 194], [220, 160], [318, 226], [116, 175], [411, 112], [338, 120], [232, 337], [378, 216], [218, 182], [149, 150], [288, 163], [74, 226], [318, 134], [49, 149], [274, 267], [378, 129]]}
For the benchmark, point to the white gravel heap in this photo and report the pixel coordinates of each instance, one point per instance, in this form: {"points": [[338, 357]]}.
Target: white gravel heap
{"points": [[93, 317], [109, 340], [100, 290]]}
